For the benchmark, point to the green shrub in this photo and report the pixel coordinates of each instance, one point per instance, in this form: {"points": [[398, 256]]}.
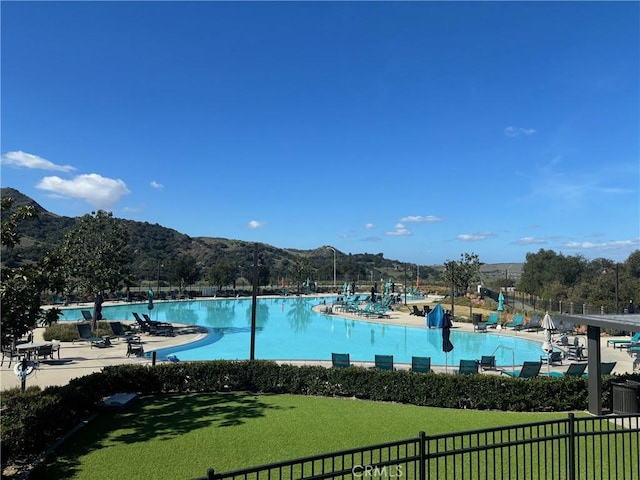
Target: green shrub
{"points": [[33, 420], [67, 331]]}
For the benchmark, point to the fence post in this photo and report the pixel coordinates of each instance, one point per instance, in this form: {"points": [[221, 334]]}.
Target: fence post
{"points": [[422, 456], [210, 473], [571, 449]]}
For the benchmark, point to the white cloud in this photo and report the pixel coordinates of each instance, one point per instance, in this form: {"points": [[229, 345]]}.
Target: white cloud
{"points": [[612, 245], [369, 226], [253, 224], [420, 219], [400, 231], [95, 189], [531, 241], [518, 131], [371, 239], [27, 160], [474, 237], [157, 185]]}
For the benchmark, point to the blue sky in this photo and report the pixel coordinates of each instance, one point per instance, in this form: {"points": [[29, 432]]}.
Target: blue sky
{"points": [[420, 130]]}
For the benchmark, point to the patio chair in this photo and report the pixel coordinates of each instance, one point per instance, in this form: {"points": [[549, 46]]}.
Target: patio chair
{"points": [[606, 368], [85, 333], [622, 342], [467, 367], [384, 362], [494, 320], [421, 364], [574, 370], [340, 360], [416, 311], [517, 323], [134, 347], [528, 370], [55, 348], [552, 358], [86, 314], [9, 350], [45, 351], [534, 324], [119, 332], [163, 327], [488, 362]]}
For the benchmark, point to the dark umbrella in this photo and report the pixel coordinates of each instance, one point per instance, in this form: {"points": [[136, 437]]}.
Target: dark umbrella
{"points": [[150, 298], [447, 346], [97, 311]]}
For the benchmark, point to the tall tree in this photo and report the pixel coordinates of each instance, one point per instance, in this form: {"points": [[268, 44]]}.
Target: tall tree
{"points": [[95, 254], [463, 272], [22, 287]]}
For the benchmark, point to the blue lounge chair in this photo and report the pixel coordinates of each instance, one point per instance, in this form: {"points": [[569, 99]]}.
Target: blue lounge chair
{"points": [[574, 370], [384, 362], [517, 323], [421, 364], [488, 362], [340, 360], [494, 320], [534, 324], [467, 367], [528, 370], [622, 342]]}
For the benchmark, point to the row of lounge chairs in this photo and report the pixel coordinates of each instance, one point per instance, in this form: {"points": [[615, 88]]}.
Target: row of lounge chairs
{"points": [[518, 323], [365, 307], [469, 367]]}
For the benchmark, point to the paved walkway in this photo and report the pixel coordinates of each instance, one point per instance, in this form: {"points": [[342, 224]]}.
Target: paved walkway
{"points": [[78, 359]]}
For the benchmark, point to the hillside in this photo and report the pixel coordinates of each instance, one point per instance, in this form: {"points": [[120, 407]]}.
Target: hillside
{"points": [[153, 245]]}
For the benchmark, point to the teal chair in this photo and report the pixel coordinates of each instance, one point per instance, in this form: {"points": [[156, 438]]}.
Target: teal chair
{"points": [[574, 370], [467, 367], [528, 370], [488, 362], [621, 343], [605, 368], [517, 323], [421, 364], [493, 320], [340, 360], [384, 362]]}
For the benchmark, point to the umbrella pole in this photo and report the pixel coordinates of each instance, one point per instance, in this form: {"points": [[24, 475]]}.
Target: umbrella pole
{"points": [[446, 362]]}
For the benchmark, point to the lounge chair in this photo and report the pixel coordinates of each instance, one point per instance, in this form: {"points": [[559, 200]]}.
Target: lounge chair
{"points": [[153, 328], [517, 323], [416, 311], [622, 342], [467, 367], [119, 332], [421, 364], [488, 362], [605, 369], [534, 324], [384, 362], [567, 327], [494, 320], [340, 360], [552, 358], [574, 370], [57, 300], [85, 333], [528, 370], [86, 314]]}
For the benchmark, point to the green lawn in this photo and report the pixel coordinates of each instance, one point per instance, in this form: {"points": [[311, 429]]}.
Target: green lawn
{"points": [[179, 437]]}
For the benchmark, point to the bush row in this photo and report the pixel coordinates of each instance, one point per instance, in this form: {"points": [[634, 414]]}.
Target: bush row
{"points": [[33, 420]]}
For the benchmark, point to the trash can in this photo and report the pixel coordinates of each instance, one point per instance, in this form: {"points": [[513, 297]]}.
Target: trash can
{"points": [[477, 318], [626, 397]]}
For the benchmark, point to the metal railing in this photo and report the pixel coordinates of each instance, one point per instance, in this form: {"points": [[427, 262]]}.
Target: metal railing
{"points": [[605, 447]]}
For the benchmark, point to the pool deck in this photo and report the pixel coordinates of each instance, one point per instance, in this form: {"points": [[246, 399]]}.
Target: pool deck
{"points": [[79, 359]]}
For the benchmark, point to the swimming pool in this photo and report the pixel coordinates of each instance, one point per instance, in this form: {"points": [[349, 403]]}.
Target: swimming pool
{"points": [[288, 329]]}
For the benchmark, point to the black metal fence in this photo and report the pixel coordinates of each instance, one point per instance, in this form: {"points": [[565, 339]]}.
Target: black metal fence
{"points": [[575, 448]]}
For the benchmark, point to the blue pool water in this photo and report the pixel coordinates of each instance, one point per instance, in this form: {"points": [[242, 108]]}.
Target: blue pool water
{"points": [[287, 329]]}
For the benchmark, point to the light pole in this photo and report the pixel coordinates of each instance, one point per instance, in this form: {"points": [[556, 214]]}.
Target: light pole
{"points": [[158, 289], [334, 266]]}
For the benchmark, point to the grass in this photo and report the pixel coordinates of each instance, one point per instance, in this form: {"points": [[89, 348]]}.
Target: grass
{"points": [[181, 436]]}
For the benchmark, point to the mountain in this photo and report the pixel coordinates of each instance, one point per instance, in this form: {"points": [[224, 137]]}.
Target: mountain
{"points": [[153, 245]]}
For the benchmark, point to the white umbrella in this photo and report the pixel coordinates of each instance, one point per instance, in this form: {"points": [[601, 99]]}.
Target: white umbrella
{"points": [[547, 346]]}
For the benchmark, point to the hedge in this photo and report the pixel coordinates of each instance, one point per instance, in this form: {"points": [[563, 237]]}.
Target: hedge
{"points": [[32, 421]]}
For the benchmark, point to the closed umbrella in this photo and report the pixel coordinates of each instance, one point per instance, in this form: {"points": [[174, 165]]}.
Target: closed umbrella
{"points": [[549, 327], [447, 346], [500, 302], [97, 311], [150, 298]]}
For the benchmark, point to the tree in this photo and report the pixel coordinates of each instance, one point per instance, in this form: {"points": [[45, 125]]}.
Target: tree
{"points": [[95, 254], [22, 287], [185, 270], [222, 273], [300, 271], [463, 272]]}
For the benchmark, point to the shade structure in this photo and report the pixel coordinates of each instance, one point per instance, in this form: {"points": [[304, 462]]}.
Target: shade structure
{"points": [[150, 298], [500, 302]]}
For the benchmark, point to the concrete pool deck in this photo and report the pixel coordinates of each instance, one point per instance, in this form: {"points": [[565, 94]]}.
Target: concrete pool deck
{"points": [[79, 359]]}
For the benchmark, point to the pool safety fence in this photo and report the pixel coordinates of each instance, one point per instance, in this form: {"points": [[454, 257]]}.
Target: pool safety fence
{"points": [[572, 448]]}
